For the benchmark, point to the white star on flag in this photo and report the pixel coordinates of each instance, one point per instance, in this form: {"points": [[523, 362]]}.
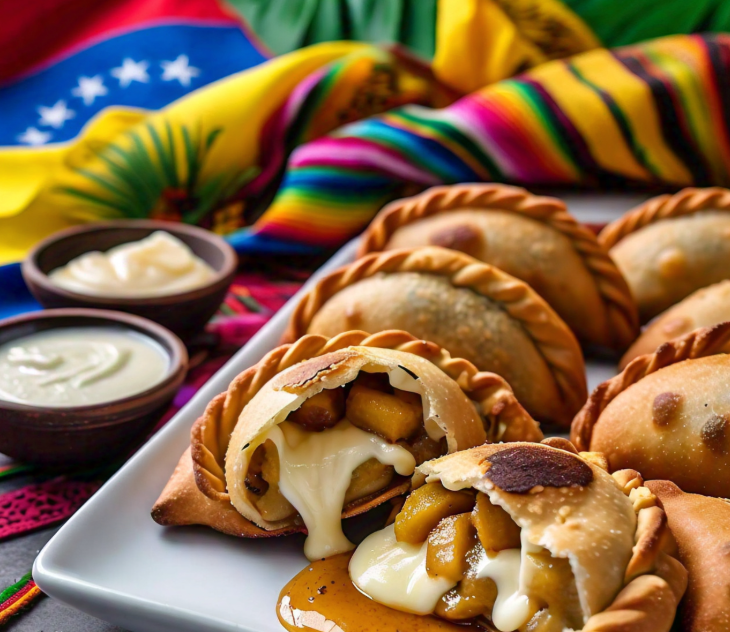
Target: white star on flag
{"points": [[89, 88], [130, 71], [33, 136], [55, 116], [180, 70]]}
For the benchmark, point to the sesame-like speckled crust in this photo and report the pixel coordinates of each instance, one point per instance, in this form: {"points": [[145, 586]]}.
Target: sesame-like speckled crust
{"points": [[470, 406], [612, 531], [474, 310], [704, 308], [671, 246], [701, 527], [531, 237], [667, 414]]}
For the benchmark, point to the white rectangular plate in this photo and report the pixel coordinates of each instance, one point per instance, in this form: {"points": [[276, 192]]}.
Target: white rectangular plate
{"points": [[112, 561]]}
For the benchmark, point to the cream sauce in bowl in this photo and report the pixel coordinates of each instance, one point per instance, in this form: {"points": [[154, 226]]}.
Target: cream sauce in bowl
{"points": [[158, 265], [80, 366]]}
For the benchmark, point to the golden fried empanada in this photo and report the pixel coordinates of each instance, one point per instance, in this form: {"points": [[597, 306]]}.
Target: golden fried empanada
{"points": [[531, 237], [474, 310], [706, 307], [515, 536], [671, 246], [701, 527], [324, 429], [667, 414]]}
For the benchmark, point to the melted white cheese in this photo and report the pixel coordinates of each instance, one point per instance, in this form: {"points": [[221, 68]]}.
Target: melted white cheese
{"points": [[158, 265], [394, 573], [316, 469], [513, 607]]}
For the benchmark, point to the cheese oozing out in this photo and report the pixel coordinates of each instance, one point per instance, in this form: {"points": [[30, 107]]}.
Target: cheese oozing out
{"points": [[509, 570], [316, 469], [394, 573]]}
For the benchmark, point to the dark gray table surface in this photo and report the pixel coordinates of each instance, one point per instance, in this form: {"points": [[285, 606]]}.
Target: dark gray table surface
{"points": [[46, 615]]}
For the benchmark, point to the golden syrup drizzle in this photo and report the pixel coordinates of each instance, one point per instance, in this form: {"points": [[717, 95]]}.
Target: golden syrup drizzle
{"points": [[322, 598]]}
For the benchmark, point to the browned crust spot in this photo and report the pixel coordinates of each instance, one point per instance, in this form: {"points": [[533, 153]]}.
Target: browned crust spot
{"points": [[518, 470], [665, 408], [462, 237], [714, 433], [302, 376], [700, 343]]}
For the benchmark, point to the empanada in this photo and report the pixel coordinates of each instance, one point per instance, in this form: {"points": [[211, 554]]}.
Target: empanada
{"points": [[701, 527], [516, 536], [671, 246], [667, 414], [474, 310], [706, 307], [532, 238], [329, 428]]}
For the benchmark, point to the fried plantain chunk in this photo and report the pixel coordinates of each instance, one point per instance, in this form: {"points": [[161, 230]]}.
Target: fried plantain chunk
{"points": [[473, 597], [272, 505], [553, 585], [423, 448], [495, 527], [377, 381], [382, 414], [321, 411], [368, 478], [448, 545], [425, 508]]}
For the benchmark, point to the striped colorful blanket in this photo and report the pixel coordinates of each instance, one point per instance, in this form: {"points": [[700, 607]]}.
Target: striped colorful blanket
{"points": [[651, 114]]}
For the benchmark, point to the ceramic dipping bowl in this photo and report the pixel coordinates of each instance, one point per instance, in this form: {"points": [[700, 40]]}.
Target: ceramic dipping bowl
{"points": [[184, 314], [84, 435]]}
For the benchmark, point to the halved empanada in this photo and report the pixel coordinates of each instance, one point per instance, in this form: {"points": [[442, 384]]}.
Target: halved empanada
{"points": [[474, 310], [532, 238], [706, 307], [701, 527], [671, 246], [523, 537], [328, 428], [668, 414]]}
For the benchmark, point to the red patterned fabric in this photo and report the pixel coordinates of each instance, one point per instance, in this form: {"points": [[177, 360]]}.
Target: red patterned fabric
{"points": [[42, 505]]}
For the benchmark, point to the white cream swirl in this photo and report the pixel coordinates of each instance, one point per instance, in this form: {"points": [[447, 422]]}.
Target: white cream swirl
{"points": [[157, 265]]}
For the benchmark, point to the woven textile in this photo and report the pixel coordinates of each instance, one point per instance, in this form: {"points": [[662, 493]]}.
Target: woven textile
{"points": [[654, 114]]}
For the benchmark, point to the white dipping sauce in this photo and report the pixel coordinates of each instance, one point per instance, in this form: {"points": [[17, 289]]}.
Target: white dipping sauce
{"points": [[80, 366], [157, 265]]}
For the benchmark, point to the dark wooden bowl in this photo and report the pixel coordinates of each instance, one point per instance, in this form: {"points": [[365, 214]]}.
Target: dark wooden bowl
{"points": [[84, 435], [184, 314]]}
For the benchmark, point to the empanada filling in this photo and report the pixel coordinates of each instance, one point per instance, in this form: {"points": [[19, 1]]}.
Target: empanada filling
{"points": [[339, 447], [456, 555]]}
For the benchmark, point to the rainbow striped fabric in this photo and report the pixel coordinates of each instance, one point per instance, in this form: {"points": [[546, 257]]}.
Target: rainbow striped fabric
{"points": [[16, 597], [656, 113]]}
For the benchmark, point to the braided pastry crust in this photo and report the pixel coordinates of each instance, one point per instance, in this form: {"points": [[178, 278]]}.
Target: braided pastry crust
{"points": [[701, 526], [199, 483], [671, 246], [685, 202], [641, 596], [655, 580], [548, 333], [704, 308], [697, 344], [621, 315]]}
